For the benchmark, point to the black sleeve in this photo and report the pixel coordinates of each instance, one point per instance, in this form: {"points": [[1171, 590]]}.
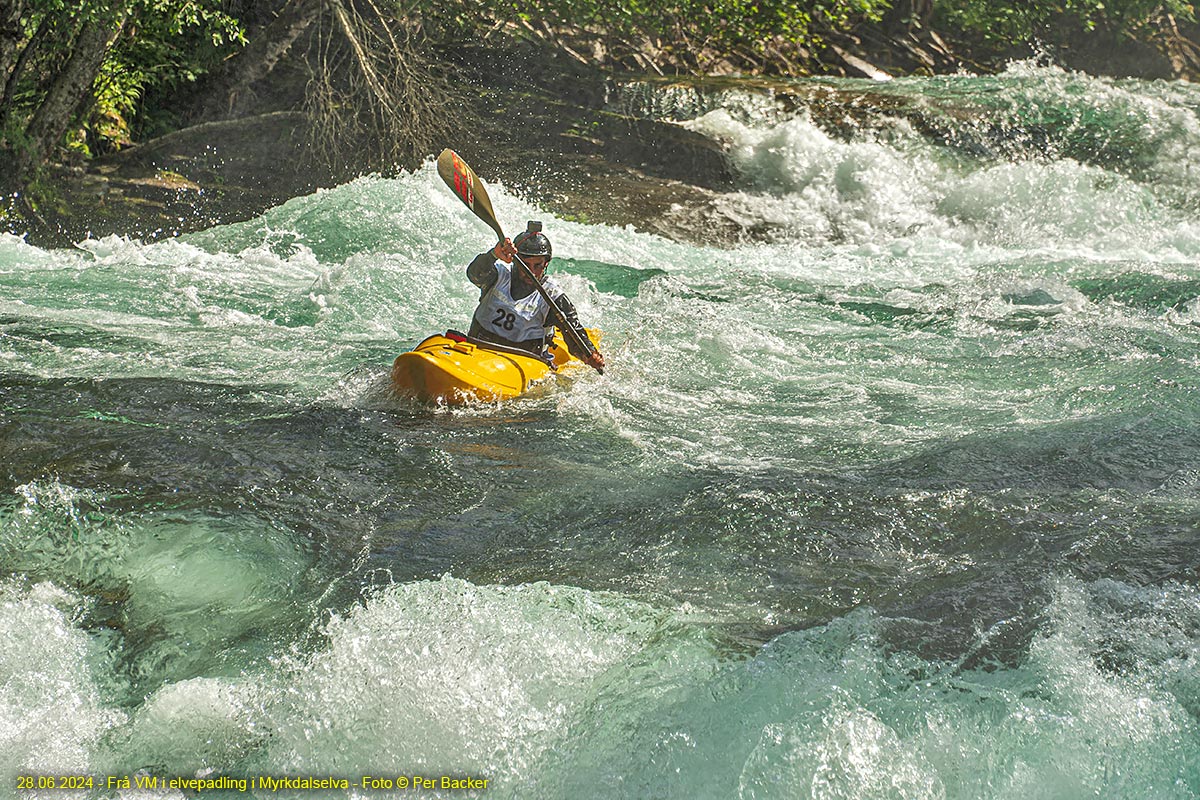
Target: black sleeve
{"points": [[482, 272], [570, 318]]}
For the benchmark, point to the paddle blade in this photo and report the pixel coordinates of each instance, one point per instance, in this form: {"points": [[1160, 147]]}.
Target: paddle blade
{"points": [[463, 181]]}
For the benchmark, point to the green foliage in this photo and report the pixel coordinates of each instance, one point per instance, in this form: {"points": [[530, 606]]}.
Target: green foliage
{"points": [[1004, 22], [42, 194], [166, 45], [173, 16], [163, 44], [14, 138], [714, 24], [117, 91]]}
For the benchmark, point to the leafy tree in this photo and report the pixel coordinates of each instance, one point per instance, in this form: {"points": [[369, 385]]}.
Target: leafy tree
{"points": [[698, 25], [1002, 22], [85, 64]]}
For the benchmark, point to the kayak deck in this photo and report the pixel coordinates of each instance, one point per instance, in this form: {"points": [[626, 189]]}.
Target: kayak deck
{"points": [[455, 369]]}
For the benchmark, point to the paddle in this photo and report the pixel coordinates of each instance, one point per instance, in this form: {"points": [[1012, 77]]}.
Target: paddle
{"points": [[463, 181]]}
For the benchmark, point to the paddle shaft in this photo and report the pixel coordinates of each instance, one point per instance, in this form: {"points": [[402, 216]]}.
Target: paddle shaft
{"points": [[463, 181]]}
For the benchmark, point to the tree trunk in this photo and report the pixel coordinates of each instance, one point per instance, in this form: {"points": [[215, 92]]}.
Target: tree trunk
{"points": [[14, 75], [70, 87], [257, 59], [10, 33]]}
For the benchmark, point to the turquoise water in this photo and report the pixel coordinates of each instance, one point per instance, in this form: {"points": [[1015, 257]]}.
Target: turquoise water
{"points": [[899, 500]]}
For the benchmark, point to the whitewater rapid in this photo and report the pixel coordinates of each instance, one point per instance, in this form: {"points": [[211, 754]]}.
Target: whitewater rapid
{"points": [[898, 498]]}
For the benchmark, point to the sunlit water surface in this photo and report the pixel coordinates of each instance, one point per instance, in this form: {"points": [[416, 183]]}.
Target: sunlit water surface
{"points": [[902, 504]]}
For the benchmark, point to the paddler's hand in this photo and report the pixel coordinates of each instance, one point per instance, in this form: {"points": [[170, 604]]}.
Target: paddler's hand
{"points": [[595, 361], [504, 251]]}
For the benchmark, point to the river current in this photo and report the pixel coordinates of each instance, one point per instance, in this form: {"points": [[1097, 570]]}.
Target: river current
{"points": [[900, 499]]}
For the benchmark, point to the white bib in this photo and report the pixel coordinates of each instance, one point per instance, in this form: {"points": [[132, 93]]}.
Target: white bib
{"points": [[514, 320]]}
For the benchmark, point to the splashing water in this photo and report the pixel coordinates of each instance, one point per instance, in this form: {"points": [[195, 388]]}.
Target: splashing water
{"points": [[899, 501]]}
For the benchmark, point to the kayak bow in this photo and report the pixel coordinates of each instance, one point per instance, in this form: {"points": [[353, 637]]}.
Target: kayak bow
{"points": [[457, 369]]}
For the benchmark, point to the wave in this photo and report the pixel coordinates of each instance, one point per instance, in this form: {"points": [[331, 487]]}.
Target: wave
{"points": [[549, 690]]}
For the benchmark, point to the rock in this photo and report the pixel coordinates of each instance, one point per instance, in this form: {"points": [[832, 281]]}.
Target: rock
{"points": [[187, 180]]}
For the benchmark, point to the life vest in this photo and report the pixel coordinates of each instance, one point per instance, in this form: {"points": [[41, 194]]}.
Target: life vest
{"points": [[515, 320]]}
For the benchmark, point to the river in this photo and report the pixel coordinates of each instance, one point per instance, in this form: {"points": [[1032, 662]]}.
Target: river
{"points": [[898, 499]]}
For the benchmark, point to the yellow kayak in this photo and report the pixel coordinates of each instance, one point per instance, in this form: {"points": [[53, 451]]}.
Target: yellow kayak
{"points": [[456, 369]]}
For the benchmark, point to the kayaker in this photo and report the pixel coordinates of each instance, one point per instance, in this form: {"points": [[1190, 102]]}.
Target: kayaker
{"points": [[511, 311]]}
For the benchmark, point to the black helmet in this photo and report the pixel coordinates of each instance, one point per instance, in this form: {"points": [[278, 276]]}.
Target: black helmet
{"points": [[533, 242]]}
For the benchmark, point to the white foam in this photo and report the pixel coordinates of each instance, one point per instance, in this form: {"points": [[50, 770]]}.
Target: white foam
{"points": [[489, 676], [52, 717], [197, 725]]}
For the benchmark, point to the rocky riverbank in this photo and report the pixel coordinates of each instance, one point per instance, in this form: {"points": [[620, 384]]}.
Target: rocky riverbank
{"points": [[541, 120], [562, 149]]}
